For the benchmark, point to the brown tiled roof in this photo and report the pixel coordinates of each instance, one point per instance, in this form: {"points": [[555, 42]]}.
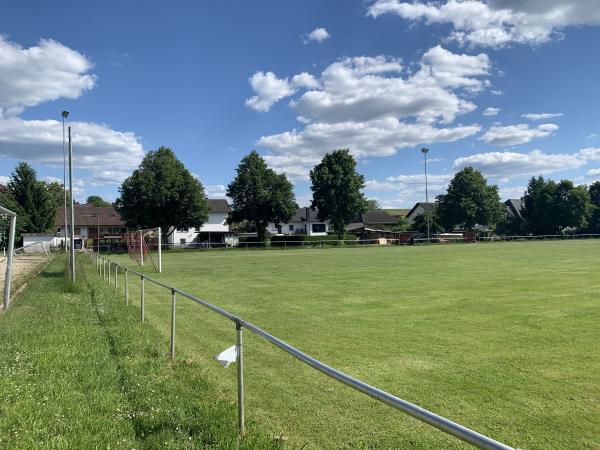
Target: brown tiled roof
{"points": [[85, 215], [218, 205]]}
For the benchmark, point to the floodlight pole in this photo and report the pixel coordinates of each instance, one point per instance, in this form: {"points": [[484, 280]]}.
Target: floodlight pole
{"points": [[65, 114], [425, 151], [72, 250]]}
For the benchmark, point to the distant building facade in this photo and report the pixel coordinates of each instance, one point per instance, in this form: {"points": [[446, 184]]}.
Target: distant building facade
{"points": [[304, 221], [214, 230]]}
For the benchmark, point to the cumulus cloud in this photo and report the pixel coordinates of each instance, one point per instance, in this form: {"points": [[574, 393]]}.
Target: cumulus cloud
{"points": [[94, 146], [517, 134], [590, 154], [48, 71], [295, 150], [372, 106], [215, 190], [496, 23], [269, 90], [593, 172], [541, 116], [316, 35], [409, 189], [491, 111], [513, 164]]}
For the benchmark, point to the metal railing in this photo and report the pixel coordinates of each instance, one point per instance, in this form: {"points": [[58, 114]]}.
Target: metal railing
{"points": [[104, 267]]}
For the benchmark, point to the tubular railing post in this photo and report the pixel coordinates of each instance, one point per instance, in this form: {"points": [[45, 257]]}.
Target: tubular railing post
{"points": [[173, 302], [240, 377], [109, 269], [142, 299], [116, 273], [126, 288]]}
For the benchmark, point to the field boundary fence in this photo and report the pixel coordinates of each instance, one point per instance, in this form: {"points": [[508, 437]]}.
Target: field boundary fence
{"points": [[350, 243], [105, 268]]}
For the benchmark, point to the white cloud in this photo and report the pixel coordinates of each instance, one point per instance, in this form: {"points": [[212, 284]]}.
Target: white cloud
{"points": [[48, 71], [491, 111], [593, 172], [316, 35], [513, 164], [454, 70], [294, 149], [215, 190], [4, 180], [496, 23], [541, 116], [496, 92], [590, 154], [409, 189], [511, 192], [517, 134], [269, 90], [369, 105], [305, 80], [94, 146]]}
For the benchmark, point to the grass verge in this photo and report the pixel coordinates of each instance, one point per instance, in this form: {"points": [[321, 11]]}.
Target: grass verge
{"points": [[79, 371]]}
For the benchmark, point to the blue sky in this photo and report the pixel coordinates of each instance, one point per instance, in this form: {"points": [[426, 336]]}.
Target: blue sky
{"points": [[508, 87]]}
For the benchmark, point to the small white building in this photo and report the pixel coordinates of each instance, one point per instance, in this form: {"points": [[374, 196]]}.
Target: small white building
{"points": [[40, 242], [418, 210], [304, 221], [214, 231]]}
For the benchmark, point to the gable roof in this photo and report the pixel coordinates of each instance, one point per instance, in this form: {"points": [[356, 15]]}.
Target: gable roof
{"points": [[426, 206], [514, 207], [398, 212], [87, 215], [301, 213], [218, 205], [378, 216]]}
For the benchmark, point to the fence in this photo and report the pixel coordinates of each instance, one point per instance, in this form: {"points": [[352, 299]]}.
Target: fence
{"points": [[105, 267]]}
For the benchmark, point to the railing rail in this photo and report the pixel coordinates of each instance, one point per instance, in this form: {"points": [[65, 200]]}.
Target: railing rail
{"points": [[446, 425]]}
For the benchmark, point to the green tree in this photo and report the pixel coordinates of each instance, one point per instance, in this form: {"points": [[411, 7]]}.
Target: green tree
{"points": [[594, 191], [259, 195], [469, 201], [372, 204], [37, 205], [420, 223], [551, 207], [336, 188], [162, 193], [96, 200]]}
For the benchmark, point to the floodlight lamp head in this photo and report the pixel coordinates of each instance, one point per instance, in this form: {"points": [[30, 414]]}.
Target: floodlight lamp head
{"points": [[65, 114], [424, 150]]}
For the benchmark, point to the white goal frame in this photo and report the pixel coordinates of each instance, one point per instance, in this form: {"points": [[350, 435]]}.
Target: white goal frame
{"points": [[9, 256], [139, 235]]}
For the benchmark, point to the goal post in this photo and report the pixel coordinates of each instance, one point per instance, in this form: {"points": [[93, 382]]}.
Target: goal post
{"points": [[142, 243], [10, 251]]}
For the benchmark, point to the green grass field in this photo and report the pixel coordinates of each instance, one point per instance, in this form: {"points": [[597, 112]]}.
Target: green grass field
{"points": [[79, 372], [502, 338]]}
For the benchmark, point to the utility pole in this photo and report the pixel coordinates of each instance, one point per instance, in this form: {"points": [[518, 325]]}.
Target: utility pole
{"points": [[72, 250], [65, 114], [425, 151]]}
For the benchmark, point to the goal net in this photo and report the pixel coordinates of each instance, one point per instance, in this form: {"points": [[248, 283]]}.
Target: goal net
{"points": [[144, 246]]}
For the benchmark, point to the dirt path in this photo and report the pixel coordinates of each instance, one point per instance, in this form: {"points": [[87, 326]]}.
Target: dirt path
{"points": [[23, 265]]}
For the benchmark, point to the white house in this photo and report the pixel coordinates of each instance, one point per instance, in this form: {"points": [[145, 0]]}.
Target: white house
{"points": [[304, 221], [214, 231], [418, 210]]}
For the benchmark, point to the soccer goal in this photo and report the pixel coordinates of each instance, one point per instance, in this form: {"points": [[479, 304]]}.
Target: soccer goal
{"points": [[145, 247], [9, 253]]}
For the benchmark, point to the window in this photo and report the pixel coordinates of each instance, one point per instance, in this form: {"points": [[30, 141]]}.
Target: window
{"points": [[291, 227], [182, 241], [318, 228], [182, 230]]}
